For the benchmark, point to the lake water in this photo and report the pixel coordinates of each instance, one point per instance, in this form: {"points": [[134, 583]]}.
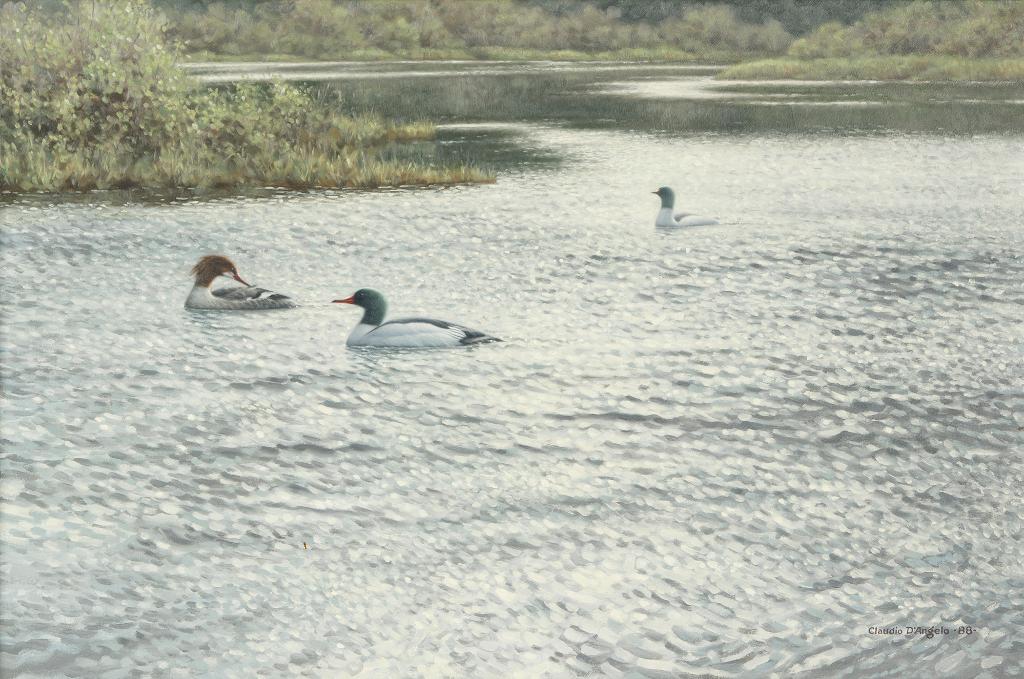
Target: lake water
{"points": [[724, 451]]}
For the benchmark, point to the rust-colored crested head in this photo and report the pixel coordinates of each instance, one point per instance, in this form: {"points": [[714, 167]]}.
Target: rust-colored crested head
{"points": [[211, 266]]}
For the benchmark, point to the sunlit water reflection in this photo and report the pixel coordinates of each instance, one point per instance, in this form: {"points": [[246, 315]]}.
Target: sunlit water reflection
{"points": [[724, 451]]}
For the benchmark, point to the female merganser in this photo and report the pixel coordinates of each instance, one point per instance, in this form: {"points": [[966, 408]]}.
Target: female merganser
{"points": [[211, 267], [372, 331], [665, 216]]}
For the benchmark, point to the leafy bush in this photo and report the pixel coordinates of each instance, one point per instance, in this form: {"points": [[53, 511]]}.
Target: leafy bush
{"points": [[95, 99], [346, 29], [716, 27], [105, 74], [925, 40], [991, 28]]}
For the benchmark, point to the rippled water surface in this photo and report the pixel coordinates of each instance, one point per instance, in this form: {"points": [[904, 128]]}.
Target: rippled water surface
{"points": [[723, 451]]}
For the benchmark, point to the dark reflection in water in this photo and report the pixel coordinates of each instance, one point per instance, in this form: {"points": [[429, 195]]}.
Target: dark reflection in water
{"points": [[642, 99], [490, 147], [659, 100]]}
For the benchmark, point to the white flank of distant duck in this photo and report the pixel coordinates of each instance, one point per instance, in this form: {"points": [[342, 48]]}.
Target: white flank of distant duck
{"points": [[667, 218]]}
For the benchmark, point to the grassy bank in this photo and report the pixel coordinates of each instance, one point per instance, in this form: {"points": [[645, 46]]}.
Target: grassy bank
{"points": [[922, 67], [95, 99], [920, 40], [297, 161]]}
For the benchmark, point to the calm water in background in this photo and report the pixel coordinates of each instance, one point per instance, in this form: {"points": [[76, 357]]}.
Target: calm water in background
{"points": [[727, 450]]}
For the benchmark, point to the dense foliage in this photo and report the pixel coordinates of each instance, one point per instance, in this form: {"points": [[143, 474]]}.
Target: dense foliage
{"points": [[76, 87], [978, 28], [796, 16], [93, 98], [346, 29], [972, 40]]}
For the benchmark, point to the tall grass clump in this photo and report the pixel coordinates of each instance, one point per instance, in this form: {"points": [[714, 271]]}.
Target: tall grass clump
{"points": [[93, 98], [924, 39]]}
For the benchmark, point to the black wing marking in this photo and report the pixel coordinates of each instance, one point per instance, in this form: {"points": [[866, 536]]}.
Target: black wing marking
{"points": [[462, 333], [248, 294]]}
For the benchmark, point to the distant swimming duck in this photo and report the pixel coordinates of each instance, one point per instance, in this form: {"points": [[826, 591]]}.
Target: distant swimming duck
{"points": [[211, 267], [665, 216], [372, 331]]}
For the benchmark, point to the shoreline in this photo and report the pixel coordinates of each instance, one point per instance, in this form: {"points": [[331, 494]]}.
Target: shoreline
{"points": [[326, 150], [510, 55], [910, 68]]}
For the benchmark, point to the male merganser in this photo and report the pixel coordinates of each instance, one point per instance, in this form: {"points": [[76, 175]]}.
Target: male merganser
{"points": [[211, 267], [665, 216], [372, 331]]}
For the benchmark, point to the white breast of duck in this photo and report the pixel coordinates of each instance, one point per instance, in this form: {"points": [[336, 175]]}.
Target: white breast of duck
{"points": [[372, 331], [248, 298], [666, 216]]}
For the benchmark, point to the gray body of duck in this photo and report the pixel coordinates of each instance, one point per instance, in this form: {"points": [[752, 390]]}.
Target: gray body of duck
{"points": [[248, 298]]}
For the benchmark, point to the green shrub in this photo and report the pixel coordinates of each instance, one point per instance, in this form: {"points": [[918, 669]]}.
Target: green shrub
{"points": [[104, 74], [94, 98], [922, 40], [991, 29], [357, 29], [831, 39]]}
